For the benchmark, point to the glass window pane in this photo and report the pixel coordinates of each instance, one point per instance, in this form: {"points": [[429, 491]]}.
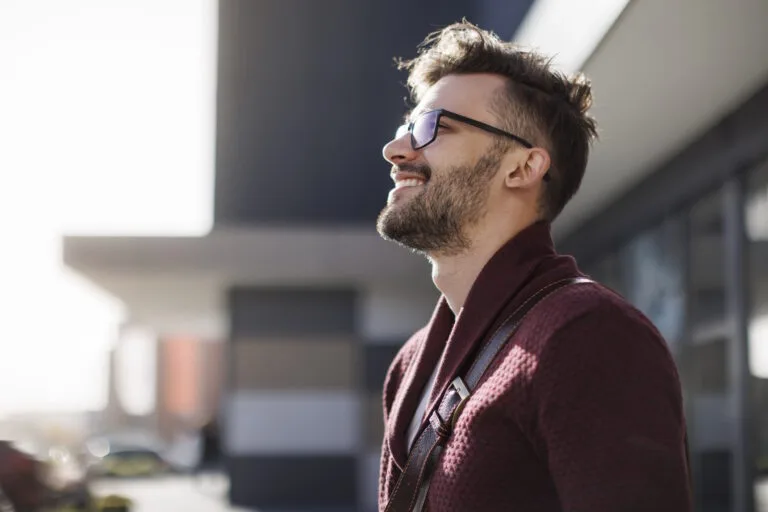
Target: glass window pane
{"points": [[608, 272], [705, 358], [756, 216], [708, 304], [655, 277]]}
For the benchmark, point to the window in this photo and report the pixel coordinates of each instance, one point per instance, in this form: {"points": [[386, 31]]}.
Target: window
{"points": [[655, 284], [756, 217]]}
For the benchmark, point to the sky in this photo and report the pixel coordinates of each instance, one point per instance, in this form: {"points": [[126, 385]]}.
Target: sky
{"points": [[106, 128]]}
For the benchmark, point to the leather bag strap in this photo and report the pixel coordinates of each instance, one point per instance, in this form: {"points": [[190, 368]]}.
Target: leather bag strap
{"points": [[410, 493]]}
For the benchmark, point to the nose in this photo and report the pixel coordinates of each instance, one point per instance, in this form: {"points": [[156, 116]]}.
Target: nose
{"points": [[399, 150]]}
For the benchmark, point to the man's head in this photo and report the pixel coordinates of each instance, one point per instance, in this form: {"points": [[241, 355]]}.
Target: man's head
{"points": [[494, 131]]}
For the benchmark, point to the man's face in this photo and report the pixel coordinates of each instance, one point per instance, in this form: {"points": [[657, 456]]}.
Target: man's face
{"points": [[442, 190]]}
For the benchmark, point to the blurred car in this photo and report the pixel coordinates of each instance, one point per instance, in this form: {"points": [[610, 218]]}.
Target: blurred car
{"points": [[127, 461], [126, 456]]}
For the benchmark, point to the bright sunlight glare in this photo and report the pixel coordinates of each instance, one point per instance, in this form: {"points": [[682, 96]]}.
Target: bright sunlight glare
{"points": [[106, 128]]}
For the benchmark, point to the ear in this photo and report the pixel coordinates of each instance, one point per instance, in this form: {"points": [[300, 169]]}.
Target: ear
{"points": [[531, 168]]}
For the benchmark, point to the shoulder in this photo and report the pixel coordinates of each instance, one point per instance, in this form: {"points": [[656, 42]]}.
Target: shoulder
{"points": [[590, 324], [595, 309], [589, 307], [400, 364], [591, 329], [404, 356]]}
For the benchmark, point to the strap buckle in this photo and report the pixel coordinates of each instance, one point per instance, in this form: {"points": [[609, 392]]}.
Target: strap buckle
{"points": [[460, 387], [463, 392], [444, 428]]}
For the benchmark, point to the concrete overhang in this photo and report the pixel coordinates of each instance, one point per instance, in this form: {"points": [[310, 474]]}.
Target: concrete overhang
{"points": [[178, 284], [664, 74]]}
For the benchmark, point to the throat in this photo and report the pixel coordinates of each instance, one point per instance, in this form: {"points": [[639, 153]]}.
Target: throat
{"points": [[454, 277], [455, 274]]}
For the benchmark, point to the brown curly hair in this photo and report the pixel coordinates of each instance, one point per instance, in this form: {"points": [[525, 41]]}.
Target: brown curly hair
{"points": [[539, 103]]}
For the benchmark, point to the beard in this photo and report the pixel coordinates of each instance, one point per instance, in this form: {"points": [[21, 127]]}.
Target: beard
{"points": [[436, 219]]}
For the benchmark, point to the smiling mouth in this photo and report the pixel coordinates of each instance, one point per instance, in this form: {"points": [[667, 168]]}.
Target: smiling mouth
{"points": [[413, 182]]}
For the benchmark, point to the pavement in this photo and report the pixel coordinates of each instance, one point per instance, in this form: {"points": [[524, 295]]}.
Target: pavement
{"points": [[761, 495], [208, 493]]}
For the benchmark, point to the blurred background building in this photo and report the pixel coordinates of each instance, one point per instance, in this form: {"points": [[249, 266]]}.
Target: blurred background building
{"points": [[215, 168]]}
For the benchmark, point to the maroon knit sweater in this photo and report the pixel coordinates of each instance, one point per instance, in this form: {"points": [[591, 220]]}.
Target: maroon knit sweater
{"points": [[580, 412]]}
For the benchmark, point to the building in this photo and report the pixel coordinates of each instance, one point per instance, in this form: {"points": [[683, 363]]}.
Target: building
{"points": [[311, 305]]}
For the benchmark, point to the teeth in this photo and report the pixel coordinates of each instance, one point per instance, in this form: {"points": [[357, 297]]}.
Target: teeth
{"points": [[408, 183]]}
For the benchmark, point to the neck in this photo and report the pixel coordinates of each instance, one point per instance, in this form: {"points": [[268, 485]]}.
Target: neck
{"points": [[455, 274]]}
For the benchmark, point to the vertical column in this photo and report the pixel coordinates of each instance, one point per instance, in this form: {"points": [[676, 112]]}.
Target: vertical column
{"points": [[710, 396], [388, 317], [133, 387], [292, 411], [736, 292]]}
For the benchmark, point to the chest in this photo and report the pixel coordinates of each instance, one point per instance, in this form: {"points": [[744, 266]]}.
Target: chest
{"points": [[499, 414], [491, 457]]}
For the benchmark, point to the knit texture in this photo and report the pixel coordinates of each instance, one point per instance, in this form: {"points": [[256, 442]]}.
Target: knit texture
{"points": [[581, 411]]}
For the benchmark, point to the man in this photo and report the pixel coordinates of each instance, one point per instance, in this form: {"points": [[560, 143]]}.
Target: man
{"points": [[582, 408]]}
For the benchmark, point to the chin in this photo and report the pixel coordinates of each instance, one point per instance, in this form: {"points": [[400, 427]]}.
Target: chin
{"points": [[396, 206], [389, 222], [384, 221]]}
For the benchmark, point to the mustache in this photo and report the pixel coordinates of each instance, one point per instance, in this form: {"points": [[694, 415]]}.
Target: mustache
{"points": [[422, 170]]}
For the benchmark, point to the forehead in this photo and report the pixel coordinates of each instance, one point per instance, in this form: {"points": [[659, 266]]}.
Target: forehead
{"points": [[469, 95]]}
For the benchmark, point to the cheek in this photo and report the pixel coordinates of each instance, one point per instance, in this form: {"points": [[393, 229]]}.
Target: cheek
{"points": [[439, 155], [444, 155]]}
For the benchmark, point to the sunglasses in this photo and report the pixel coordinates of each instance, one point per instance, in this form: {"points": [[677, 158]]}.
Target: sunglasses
{"points": [[424, 128]]}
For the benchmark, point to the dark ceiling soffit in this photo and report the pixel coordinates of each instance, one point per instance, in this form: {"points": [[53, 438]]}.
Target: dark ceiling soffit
{"points": [[736, 143]]}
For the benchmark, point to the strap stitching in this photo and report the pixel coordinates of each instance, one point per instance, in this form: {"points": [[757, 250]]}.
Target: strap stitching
{"points": [[405, 469], [420, 476]]}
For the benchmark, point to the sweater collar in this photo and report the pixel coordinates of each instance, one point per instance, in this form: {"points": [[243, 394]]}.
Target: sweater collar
{"points": [[451, 340]]}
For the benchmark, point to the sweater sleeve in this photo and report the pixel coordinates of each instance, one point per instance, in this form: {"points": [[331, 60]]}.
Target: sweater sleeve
{"points": [[609, 415]]}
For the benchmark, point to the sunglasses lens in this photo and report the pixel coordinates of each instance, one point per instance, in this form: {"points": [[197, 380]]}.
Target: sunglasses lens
{"points": [[424, 129], [401, 130]]}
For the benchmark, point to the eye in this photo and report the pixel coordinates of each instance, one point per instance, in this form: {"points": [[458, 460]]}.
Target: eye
{"points": [[441, 125]]}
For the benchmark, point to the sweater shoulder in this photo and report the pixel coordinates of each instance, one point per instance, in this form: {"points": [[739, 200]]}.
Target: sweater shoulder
{"points": [[406, 353], [400, 364], [567, 338], [592, 302], [587, 318], [593, 321]]}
